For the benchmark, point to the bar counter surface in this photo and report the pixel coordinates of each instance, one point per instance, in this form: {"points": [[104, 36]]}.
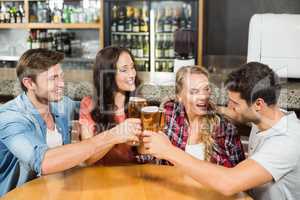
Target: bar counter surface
{"points": [[143, 182]]}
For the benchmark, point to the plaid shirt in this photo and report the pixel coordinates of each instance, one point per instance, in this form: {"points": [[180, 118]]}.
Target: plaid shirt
{"points": [[227, 148]]}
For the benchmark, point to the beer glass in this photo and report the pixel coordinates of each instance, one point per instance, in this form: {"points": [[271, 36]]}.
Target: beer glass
{"points": [[153, 118], [135, 105], [134, 110]]}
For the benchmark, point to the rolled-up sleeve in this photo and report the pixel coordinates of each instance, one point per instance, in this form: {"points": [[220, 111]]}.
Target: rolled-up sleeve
{"points": [[19, 139]]}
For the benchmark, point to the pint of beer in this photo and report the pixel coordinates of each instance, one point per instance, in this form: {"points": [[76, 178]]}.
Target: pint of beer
{"points": [[152, 118], [135, 106]]}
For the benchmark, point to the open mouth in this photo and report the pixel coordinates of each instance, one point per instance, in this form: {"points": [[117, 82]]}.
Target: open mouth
{"points": [[201, 106]]}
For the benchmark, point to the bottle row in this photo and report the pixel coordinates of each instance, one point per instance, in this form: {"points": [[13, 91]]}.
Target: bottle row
{"points": [[59, 12], [139, 45], [65, 42], [12, 12], [129, 19], [142, 65], [164, 66], [170, 19], [136, 19]]}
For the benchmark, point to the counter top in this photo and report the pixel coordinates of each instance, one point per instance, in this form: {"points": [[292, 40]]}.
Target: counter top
{"points": [[289, 97]]}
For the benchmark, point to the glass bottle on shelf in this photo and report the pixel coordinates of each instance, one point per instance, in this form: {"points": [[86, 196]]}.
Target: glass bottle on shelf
{"points": [[7, 14], [33, 12], [176, 19], [129, 18], [144, 23], [136, 20], [128, 42], [159, 21], [20, 14], [115, 19], [134, 46], [158, 49], [57, 15], [140, 51], [183, 20], [165, 46], [146, 46], [168, 20], [66, 14], [121, 21], [2, 15], [189, 17]]}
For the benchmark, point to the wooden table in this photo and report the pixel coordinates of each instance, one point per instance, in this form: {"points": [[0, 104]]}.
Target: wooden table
{"points": [[135, 182]]}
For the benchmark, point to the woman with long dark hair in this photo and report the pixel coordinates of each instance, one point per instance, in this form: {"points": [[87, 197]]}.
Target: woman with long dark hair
{"points": [[115, 79]]}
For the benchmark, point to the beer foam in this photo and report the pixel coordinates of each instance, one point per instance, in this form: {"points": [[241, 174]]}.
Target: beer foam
{"points": [[150, 109], [137, 99]]}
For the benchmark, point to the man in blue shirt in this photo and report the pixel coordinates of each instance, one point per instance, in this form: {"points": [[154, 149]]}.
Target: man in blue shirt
{"points": [[39, 118]]}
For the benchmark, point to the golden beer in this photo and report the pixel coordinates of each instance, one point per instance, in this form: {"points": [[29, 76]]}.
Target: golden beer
{"points": [[153, 118], [135, 106]]}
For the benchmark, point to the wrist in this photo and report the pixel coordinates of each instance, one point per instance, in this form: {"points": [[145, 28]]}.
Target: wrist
{"points": [[172, 153]]}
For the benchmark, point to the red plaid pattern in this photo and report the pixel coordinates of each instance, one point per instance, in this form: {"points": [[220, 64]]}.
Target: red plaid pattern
{"points": [[227, 146]]}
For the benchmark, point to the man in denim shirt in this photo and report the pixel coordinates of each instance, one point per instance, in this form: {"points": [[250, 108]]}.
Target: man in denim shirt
{"points": [[39, 118]]}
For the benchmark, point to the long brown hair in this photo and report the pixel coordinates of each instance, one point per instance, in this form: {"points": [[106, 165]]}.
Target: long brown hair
{"points": [[208, 122], [104, 73]]}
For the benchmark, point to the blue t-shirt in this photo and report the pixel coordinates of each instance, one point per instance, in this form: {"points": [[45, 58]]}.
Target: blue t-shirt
{"points": [[23, 138]]}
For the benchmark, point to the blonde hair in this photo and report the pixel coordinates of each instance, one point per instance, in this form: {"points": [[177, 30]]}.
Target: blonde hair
{"points": [[210, 121]]}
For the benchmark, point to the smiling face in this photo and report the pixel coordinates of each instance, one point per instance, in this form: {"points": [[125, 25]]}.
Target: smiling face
{"points": [[242, 110], [195, 94], [49, 85], [126, 73]]}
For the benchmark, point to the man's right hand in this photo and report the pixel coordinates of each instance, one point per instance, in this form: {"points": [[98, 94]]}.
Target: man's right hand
{"points": [[128, 131]]}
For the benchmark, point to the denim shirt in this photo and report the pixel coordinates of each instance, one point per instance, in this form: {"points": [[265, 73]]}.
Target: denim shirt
{"points": [[23, 138]]}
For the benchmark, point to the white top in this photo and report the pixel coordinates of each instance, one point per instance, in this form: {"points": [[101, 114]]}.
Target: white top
{"points": [[278, 151], [196, 150], [53, 138]]}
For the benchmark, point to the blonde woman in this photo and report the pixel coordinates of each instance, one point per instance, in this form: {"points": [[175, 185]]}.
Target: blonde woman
{"points": [[193, 125]]}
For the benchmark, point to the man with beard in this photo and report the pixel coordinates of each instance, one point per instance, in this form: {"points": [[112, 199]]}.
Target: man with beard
{"points": [[272, 169], [34, 127]]}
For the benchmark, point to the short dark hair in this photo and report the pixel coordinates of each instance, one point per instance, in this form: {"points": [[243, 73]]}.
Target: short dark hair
{"points": [[255, 80], [35, 61]]}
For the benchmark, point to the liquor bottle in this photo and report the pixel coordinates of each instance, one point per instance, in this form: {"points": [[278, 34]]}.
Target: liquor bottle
{"points": [[20, 14], [165, 46], [183, 20], [66, 14], [121, 21], [128, 42], [146, 46], [13, 13], [114, 22], [159, 21], [189, 17], [168, 20], [57, 16], [136, 20], [33, 12], [115, 40], [140, 51], [171, 46], [144, 23], [29, 41], [176, 19], [158, 49], [7, 14], [170, 66], [134, 46], [146, 66], [129, 18], [2, 15], [122, 42]]}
